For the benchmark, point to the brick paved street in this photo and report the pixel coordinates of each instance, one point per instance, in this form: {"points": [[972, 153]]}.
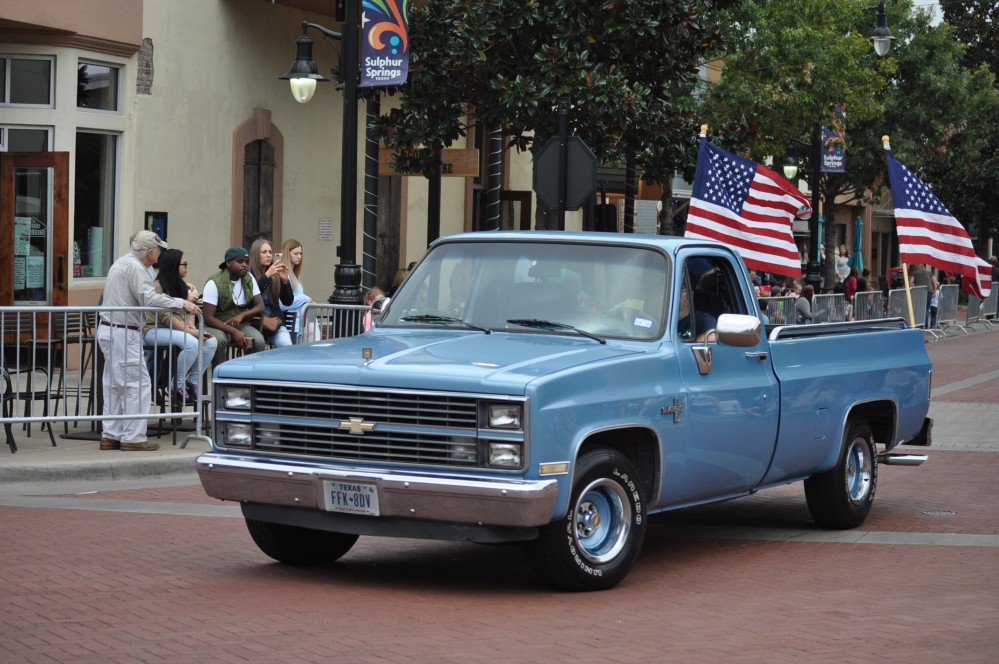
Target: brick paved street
{"points": [[153, 571]]}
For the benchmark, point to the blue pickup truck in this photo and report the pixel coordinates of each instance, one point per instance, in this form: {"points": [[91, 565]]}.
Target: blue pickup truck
{"points": [[558, 389]]}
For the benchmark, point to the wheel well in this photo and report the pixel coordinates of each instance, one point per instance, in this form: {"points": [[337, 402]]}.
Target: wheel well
{"points": [[638, 444], [880, 416]]}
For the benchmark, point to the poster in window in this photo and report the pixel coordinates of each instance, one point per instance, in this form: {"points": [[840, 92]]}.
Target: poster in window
{"points": [[157, 223], [22, 236], [35, 272], [18, 273]]}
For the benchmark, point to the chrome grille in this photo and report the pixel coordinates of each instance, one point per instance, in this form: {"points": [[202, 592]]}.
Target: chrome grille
{"points": [[373, 446], [413, 409]]}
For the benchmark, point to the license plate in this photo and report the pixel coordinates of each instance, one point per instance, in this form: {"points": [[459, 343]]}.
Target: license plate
{"points": [[351, 497]]}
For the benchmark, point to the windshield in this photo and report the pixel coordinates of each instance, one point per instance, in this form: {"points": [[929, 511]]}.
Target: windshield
{"points": [[609, 291]]}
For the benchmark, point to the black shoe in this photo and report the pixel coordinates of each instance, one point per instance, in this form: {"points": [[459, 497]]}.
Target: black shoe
{"points": [[181, 398]]}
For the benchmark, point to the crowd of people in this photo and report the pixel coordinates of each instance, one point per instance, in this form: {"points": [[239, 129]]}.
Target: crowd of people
{"points": [[252, 302], [849, 281]]}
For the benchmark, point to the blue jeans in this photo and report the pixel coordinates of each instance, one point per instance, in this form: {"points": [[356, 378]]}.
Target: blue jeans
{"points": [[281, 338], [187, 358]]}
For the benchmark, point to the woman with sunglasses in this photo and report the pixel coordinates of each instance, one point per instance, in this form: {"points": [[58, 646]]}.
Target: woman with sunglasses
{"points": [[178, 329]]}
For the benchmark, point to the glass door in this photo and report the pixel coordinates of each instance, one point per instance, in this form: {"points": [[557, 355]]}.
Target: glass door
{"points": [[34, 228]]}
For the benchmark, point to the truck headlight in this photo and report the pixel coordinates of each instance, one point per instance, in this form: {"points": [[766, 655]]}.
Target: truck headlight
{"points": [[236, 398], [238, 434], [505, 415], [505, 455]]}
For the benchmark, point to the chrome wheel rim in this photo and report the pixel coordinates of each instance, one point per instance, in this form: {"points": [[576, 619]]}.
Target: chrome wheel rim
{"points": [[601, 521], [859, 471]]}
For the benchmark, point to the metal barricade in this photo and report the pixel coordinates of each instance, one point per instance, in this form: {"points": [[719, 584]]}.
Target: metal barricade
{"points": [[947, 309], [977, 311], [868, 305], [898, 307], [331, 321], [829, 308], [989, 306], [778, 310], [53, 364]]}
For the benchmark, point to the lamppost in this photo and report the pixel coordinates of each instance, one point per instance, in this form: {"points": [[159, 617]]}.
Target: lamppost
{"points": [[882, 40], [813, 271], [303, 77]]}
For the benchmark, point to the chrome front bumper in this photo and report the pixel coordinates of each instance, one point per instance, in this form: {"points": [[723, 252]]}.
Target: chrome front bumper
{"points": [[488, 502]]}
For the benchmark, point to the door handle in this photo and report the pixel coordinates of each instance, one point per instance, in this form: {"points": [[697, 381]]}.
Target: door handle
{"points": [[62, 267], [760, 355]]}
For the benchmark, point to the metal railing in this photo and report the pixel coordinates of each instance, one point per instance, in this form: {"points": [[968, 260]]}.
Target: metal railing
{"points": [[829, 308], [52, 370], [868, 305], [898, 306], [778, 310], [979, 310], [331, 321]]}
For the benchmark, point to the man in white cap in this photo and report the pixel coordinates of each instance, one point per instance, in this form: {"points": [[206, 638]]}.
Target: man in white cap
{"points": [[127, 388]]}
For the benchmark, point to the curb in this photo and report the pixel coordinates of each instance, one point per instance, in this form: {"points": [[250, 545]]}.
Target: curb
{"points": [[101, 470]]}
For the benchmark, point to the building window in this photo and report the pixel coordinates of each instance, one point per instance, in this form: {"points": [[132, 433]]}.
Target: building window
{"points": [[258, 191], [96, 203], [25, 139], [26, 81], [97, 86]]}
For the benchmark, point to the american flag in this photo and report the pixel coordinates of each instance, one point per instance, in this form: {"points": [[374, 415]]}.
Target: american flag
{"points": [[928, 233], [748, 207]]}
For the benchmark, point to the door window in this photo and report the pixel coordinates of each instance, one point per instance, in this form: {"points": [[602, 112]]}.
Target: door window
{"points": [[709, 289], [32, 235]]}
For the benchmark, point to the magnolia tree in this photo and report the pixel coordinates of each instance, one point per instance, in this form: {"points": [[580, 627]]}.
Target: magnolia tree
{"points": [[628, 69]]}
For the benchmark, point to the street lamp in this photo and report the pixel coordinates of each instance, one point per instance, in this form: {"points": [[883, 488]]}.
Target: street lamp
{"points": [[882, 38], [303, 77]]}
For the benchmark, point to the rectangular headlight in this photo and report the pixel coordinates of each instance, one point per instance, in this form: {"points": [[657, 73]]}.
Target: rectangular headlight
{"points": [[505, 455], [505, 415], [238, 434], [236, 398]]}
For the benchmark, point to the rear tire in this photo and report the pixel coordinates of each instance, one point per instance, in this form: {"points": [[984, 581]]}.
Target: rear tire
{"points": [[842, 496], [295, 545], [595, 545]]}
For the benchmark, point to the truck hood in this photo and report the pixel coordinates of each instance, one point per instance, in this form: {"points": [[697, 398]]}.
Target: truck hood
{"points": [[497, 363]]}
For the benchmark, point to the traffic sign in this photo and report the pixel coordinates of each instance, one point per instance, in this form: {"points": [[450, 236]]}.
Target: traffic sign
{"points": [[581, 173]]}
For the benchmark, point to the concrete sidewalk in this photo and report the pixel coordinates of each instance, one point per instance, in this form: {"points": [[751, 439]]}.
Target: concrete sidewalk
{"points": [[965, 409], [73, 459]]}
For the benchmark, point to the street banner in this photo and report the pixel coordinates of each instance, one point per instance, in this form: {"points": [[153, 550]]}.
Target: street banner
{"points": [[384, 42], [834, 143]]}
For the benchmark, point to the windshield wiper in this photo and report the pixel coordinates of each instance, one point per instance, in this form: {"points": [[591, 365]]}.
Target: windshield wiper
{"points": [[434, 318], [539, 324]]}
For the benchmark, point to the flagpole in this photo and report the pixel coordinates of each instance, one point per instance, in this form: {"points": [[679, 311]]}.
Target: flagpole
{"points": [[886, 142]]}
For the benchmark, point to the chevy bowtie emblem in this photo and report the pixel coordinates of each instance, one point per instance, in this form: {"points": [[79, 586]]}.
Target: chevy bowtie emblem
{"points": [[356, 426]]}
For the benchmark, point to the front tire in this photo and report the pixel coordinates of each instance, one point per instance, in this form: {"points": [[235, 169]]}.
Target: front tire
{"points": [[295, 545], [842, 496], [595, 545]]}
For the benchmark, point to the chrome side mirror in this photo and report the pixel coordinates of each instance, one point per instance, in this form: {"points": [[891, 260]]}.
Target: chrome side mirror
{"points": [[739, 330], [379, 307], [732, 330]]}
